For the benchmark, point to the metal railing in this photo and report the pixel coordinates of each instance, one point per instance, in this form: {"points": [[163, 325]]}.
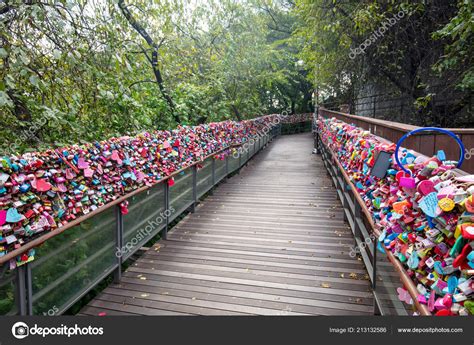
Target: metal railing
{"points": [[385, 272], [73, 260], [427, 143]]}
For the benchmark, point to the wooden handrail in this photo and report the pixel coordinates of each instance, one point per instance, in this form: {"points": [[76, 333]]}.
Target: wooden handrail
{"points": [[391, 124], [427, 143], [53, 233]]}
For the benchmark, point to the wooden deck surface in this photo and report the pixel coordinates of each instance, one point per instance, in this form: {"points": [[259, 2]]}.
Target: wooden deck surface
{"points": [[269, 241]]}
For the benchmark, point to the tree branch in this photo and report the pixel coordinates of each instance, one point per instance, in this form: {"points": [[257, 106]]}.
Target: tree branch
{"points": [[156, 71]]}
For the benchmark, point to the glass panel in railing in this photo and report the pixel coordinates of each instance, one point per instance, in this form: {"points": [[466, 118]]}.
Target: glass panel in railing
{"points": [[145, 218], [245, 153], [220, 169], [204, 177], [243, 157], [7, 293], [387, 282], [181, 193], [233, 162], [70, 264]]}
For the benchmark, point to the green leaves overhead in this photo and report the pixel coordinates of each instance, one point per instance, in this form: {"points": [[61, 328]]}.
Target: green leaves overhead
{"points": [[83, 61], [418, 51]]}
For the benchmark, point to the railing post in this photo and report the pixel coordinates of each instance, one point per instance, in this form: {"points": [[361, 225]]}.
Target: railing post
{"points": [[345, 202], [21, 290], [213, 171], [29, 289], [164, 235], [374, 264], [118, 243], [240, 158], [317, 142], [194, 170], [357, 218], [226, 165]]}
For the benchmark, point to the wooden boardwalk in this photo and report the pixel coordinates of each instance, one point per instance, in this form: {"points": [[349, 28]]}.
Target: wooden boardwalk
{"points": [[269, 241]]}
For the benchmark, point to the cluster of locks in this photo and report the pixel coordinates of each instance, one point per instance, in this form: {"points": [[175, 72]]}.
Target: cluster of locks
{"points": [[426, 217], [45, 190]]}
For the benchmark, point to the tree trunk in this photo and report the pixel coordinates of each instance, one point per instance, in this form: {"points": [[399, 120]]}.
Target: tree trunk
{"points": [[236, 112], [156, 71]]}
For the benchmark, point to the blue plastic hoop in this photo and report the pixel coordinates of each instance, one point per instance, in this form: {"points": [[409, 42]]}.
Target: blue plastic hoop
{"points": [[436, 129]]}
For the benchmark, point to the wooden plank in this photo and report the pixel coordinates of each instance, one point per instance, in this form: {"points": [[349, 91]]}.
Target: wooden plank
{"points": [[287, 248], [93, 311], [272, 293], [104, 302], [324, 271], [282, 228], [265, 305], [263, 276], [245, 261], [318, 286], [308, 236], [262, 253], [193, 301]]}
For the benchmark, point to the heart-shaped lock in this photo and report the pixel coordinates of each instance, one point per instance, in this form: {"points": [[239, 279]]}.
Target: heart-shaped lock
{"points": [[42, 185], [13, 216], [82, 163]]}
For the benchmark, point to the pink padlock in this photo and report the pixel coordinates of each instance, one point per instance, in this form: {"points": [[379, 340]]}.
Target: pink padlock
{"points": [[407, 182]]}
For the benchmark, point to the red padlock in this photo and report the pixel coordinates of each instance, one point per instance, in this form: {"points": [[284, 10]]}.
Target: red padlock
{"points": [[124, 208]]}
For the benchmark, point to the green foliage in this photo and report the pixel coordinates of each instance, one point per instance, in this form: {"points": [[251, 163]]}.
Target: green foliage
{"points": [[79, 71], [423, 56], [460, 35]]}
